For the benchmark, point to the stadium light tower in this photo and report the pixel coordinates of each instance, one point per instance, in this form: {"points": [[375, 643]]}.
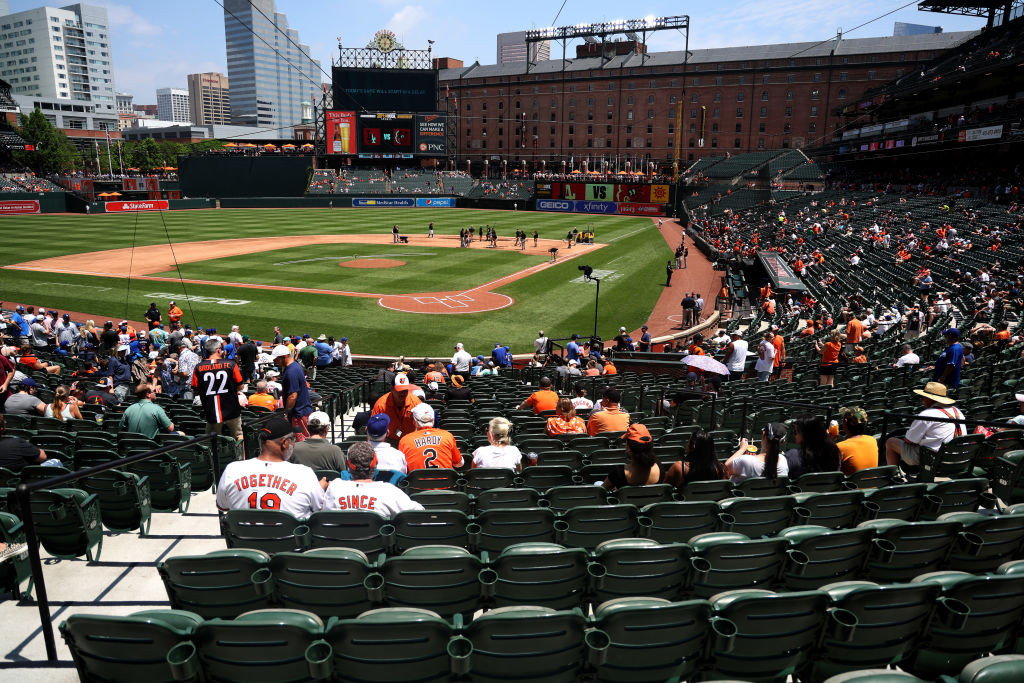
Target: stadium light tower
{"points": [[588, 274]]}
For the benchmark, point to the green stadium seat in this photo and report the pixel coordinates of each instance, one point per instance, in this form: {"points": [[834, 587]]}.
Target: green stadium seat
{"points": [[264, 645], [124, 500], [759, 487], [561, 498], [902, 501], [224, 583], [652, 639], [757, 517], [414, 528], [678, 522], [443, 500], [544, 477], [725, 561], [484, 478], [271, 531], [528, 644], [131, 648], [774, 636], [362, 530], [430, 479], [16, 570], [496, 529], [819, 482], [68, 523], [835, 510], [329, 582], [818, 555], [713, 491], [904, 550], [957, 495], [874, 477], [886, 623], [998, 540], [636, 567], [170, 482], [998, 669], [586, 526], [443, 579], [506, 498], [392, 645], [544, 574], [644, 495], [953, 460]]}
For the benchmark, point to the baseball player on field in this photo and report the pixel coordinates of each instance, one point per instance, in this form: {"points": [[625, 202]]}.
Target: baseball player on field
{"points": [[429, 446], [269, 481], [361, 492]]}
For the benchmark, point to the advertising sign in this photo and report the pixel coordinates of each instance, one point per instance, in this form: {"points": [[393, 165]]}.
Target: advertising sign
{"points": [[340, 131], [18, 206], [924, 140], [430, 135], [659, 194], [555, 205], [384, 203], [151, 205], [595, 207], [639, 209], [543, 190], [779, 272], [986, 133], [141, 184], [386, 132], [436, 202], [388, 88]]}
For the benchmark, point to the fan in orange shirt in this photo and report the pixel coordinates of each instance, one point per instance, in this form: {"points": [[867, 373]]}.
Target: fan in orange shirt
{"points": [[428, 446], [262, 398]]}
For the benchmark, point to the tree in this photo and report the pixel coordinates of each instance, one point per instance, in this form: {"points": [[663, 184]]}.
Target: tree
{"points": [[54, 152]]}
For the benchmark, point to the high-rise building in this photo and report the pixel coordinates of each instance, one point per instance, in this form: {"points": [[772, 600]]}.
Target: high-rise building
{"points": [[61, 53], [512, 49], [270, 72], [125, 103], [209, 99], [901, 28], [4, 7], [172, 105]]}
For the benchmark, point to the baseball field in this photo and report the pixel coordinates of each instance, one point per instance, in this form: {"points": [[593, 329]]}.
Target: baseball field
{"points": [[338, 272]]}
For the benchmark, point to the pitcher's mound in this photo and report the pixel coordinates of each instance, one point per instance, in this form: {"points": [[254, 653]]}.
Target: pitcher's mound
{"points": [[371, 263]]}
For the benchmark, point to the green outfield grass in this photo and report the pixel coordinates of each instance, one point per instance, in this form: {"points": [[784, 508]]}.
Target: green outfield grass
{"points": [[551, 299], [317, 266]]}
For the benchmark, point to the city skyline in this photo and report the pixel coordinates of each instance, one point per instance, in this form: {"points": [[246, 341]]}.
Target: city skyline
{"points": [[158, 44]]}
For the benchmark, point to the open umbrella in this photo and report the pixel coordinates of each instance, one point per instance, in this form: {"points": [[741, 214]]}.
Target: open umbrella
{"points": [[248, 144], [706, 363], [288, 146], [105, 194], [269, 146]]}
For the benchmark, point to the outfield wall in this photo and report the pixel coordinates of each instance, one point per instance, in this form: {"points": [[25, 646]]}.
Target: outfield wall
{"points": [[20, 203], [243, 176]]}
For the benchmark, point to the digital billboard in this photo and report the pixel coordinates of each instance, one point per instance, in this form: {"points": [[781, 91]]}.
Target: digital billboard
{"points": [[340, 130], [386, 133], [367, 90], [430, 135]]}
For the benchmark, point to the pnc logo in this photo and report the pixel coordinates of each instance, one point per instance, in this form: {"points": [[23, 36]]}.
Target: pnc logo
{"points": [[430, 117]]}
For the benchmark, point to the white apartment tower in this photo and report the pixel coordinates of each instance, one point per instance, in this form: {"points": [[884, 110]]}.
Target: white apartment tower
{"points": [[512, 49], [61, 53], [172, 105]]}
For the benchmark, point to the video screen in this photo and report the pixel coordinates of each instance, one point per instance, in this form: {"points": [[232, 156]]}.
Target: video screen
{"points": [[367, 90]]}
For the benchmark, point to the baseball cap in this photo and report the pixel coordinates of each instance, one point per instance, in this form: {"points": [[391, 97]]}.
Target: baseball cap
{"points": [[321, 418], [638, 432], [344, 339], [622, 329], [643, 327], [276, 427], [951, 332], [273, 373], [377, 426], [66, 316], [122, 347], [423, 414], [28, 382], [402, 382], [574, 362], [322, 337], [854, 414], [280, 350]]}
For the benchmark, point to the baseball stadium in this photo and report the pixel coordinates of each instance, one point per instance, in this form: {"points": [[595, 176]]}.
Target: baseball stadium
{"points": [[463, 372]]}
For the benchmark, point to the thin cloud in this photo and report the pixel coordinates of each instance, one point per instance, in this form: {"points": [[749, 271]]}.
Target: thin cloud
{"points": [[124, 17]]}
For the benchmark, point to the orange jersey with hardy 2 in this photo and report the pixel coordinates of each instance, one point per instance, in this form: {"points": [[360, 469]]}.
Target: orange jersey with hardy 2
{"points": [[430, 448]]}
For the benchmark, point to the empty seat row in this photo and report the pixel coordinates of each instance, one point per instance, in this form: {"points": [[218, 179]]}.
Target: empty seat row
{"points": [[932, 626], [545, 573]]}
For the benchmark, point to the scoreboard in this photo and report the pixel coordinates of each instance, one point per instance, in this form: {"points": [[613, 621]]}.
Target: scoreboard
{"points": [[386, 135], [604, 192]]}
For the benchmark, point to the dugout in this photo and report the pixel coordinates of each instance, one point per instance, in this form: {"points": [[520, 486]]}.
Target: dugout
{"points": [[218, 175]]}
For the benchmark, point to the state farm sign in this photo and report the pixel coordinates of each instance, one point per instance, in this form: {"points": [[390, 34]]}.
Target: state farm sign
{"points": [[151, 205], [18, 206]]}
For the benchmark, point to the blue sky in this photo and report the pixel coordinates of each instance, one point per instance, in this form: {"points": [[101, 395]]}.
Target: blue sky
{"points": [[157, 42]]}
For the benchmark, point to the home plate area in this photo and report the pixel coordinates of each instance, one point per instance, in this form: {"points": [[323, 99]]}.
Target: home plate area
{"points": [[446, 302]]}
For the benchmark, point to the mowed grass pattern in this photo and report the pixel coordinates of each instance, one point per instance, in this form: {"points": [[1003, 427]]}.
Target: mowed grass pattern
{"points": [[430, 268], [550, 299]]}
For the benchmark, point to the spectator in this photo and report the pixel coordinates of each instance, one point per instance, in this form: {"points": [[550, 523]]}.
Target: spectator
{"points": [[565, 420], [428, 446], [144, 416], [950, 362], [814, 452], [545, 398], [829, 351], [316, 451], [700, 463], [748, 462], [580, 401], [610, 418], [16, 453], [64, 406], [362, 492], [457, 391], [925, 433], [765, 358], [388, 457], [859, 450], [643, 466], [270, 481], [398, 405], [461, 360], [499, 451], [24, 401], [736, 355], [540, 344], [907, 359], [217, 381], [296, 392]]}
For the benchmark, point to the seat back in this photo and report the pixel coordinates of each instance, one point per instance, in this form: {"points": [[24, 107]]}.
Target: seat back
{"points": [[818, 556], [391, 645], [224, 583], [67, 522], [727, 563], [652, 640], [484, 478], [775, 635], [1001, 539], [496, 529], [758, 517], [760, 487], [170, 482], [540, 574], [838, 510], [442, 579], [132, 648], [641, 567], [644, 495], [874, 477], [543, 477], [271, 531], [902, 501], [707, 490], [953, 459], [362, 530], [527, 643], [430, 479], [329, 582], [820, 482], [269, 645], [909, 549], [507, 498], [677, 522], [561, 498], [429, 527], [589, 525], [957, 495], [124, 499], [443, 500]]}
